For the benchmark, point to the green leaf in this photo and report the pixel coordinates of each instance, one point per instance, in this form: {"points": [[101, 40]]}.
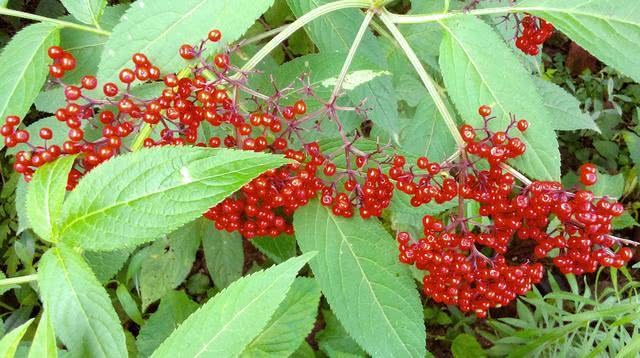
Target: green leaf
{"points": [[290, 324], [624, 221], [80, 309], [23, 68], [21, 206], [106, 264], [9, 343], [610, 30], [564, 108], [158, 28], [278, 249], [608, 185], [465, 345], [168, 262], [336, 32], [357, 262], [45, 196], [128, 304], [87, 11], [228, 322], [479, 69], [44, 341], [334, 339], [224, 255], [426, 134], [138, 197], [633, 143], [174, 308]]}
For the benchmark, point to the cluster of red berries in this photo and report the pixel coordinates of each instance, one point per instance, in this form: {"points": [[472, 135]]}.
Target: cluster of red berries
{"points": [[535, 31], [209, 95], [62, 61], [456, 255]]}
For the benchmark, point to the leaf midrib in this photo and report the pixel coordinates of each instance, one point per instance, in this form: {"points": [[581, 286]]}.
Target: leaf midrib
{"points": [[355, 257]]}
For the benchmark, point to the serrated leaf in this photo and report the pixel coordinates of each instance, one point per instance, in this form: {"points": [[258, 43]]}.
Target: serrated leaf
{"points": [[465, 345], [564, 108], [23, 68], [9, 343], [278, 249], [138, 197], [224, 255], [105, 264], [624, 221], [357, 262], [290, 324], [478, 69], [80, 309], [87, 11], [168, 262], [228, 322], [21, 206], [174, 308], [158, 28], [633, 143], [336, 32], [45, 196], [44, 341], [426, 133], [610, 30], [334, 339]]}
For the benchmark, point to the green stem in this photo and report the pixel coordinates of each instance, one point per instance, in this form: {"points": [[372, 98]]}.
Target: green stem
{"points": [[264, 35], [298, 24], [422, 18], [16, 280], [71, 25], [428, 82], [351, 55]]}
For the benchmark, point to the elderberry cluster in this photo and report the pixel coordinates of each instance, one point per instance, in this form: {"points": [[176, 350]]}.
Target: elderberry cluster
{"points": [[467, 257], [535, 31], [214, 97]]}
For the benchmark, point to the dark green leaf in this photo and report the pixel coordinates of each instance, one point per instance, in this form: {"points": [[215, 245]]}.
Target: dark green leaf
{"points": [[564, 108], [334, 339], [224, 255], [465, 345], [278, 249], [87, 11]]}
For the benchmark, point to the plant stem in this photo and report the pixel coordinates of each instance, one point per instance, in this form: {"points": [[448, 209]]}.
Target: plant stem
{"points": [[264, 35], [423, 18], [16, 280], [61, 23], [298, 24], [350, 56], [428, 82]]}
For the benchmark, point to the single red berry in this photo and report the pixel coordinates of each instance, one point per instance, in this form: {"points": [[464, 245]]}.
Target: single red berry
{"points": [[484, 111], [221, 60], [46, 133], [187, 52], [72, 93], [300, 107], [68, 62], [89, 82], [110, 89], [523, 125], [55, 52], [140, 59], [127, 76], [12, 120], [422, 162], [21, 136], [56, 71], [214, 35]]}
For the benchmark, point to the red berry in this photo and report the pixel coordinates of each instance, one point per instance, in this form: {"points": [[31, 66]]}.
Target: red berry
{"points": [[484, 111], [127, 76], [110, 89], [187, 52], [55, 52], [523, 125], [45, 133], [89, 82], [214, 35]]}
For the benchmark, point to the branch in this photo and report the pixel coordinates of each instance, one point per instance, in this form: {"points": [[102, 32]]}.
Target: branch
{"points": [[428, 82], [61, 23], [16, 280]]}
